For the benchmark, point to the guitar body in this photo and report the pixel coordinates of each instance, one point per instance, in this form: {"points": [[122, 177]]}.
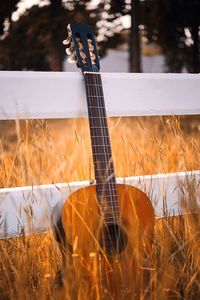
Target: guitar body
{"points": [[107, 227], [110, 275]]}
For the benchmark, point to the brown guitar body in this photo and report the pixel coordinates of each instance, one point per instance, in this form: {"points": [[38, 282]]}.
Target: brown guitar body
{"points": [[105, 275]]}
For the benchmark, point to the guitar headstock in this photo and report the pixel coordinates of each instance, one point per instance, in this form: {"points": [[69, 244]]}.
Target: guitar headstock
{"points": [[81, 46]]}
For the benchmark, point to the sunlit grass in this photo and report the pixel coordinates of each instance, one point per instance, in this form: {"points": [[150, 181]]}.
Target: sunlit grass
{"points": [[60, 151], [38, 152]]}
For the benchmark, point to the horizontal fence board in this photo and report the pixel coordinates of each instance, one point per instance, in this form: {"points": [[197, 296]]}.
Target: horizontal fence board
{"points": [[29, 209], [43, 95]]}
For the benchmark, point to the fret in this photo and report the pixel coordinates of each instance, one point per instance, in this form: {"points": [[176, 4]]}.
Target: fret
{"points": [[108, 214], [111, 213], [109, 217], [100, 154], [108, 194], [114, 217], [102, 165], [99, 117], [112, 192], [90, 84], [103, 160], [105, 176], [103, 169], [110, 222], [95, 96], [105, 182], [95, 107], [101, 145], [100, 187], [95, 127], [96, 102], [114, 209], [110, 189], [100, 136], [111, 204]]}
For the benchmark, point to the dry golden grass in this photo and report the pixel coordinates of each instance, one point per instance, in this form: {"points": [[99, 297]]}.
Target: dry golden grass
{"points": [[37, 152], [59, 150]]}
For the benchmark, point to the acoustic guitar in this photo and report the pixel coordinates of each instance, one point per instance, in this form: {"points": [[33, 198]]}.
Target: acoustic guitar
{"points": [[106, 225]]}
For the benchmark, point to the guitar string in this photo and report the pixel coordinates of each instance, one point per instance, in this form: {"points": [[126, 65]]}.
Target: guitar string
{"points": [[103, 131], [99, 91], [110, 162], [106, 154], [100, 87], [112, 175]]}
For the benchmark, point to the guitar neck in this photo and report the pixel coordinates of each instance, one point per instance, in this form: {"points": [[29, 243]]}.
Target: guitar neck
{"points": [[101, 147]]}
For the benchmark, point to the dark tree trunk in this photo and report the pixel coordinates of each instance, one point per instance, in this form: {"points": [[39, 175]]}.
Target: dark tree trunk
{"points": [[55, 48], [196, 49], [134, 48]]}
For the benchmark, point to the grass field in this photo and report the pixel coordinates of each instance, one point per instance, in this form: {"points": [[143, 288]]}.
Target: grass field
{"points": [[37, 152]]}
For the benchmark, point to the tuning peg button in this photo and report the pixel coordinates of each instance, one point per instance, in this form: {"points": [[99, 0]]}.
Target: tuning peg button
{"points": [[69, 50], [91, 47], [92, 55], [67, 41], [72, 59], [69, 29]]}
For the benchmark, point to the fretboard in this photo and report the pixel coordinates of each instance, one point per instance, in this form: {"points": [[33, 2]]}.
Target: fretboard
{"points": [[101, 148]]}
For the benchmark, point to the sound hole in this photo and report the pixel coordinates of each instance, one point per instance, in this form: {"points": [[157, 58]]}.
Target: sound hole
{"points": [[113, 239]]}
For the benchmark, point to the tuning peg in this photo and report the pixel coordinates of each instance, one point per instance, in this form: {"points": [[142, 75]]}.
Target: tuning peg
{"points": [[69, 28], [72, 59], [92, 55], [90, 44], [69, 50], [80, 45], [91, 47], [82, 54], [67, 42]]}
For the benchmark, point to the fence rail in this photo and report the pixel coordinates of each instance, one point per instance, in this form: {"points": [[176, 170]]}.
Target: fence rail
{"points": [[36, 95], [26, 209]]}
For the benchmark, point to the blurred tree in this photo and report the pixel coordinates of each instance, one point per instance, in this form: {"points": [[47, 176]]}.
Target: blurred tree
{"points": [[6, 9], [34, 42], [174, 25], [132, 7], [134, 47]]}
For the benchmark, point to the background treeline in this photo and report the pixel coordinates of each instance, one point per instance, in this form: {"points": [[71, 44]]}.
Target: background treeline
{"points": [[34, 41]]}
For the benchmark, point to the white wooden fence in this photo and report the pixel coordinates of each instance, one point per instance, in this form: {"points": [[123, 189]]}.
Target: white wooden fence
{"points": [[35, 95]]}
